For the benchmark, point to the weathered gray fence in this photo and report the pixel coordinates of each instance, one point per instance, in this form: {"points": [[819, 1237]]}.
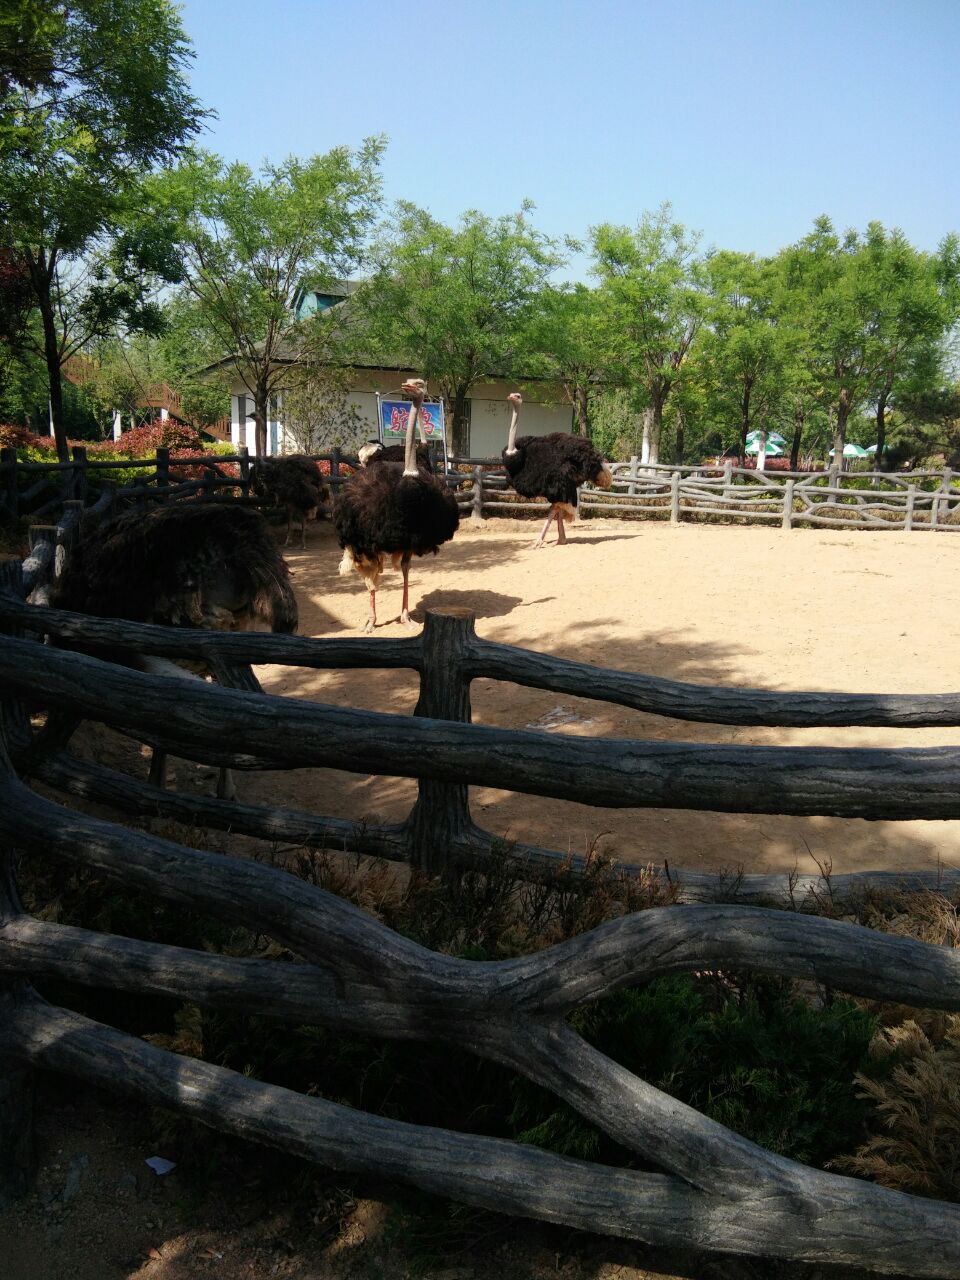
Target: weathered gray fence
{"points": [[715, 1190], [835, 499]]}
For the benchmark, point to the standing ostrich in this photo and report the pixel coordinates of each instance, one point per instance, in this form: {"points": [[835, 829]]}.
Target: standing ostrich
{"points": [[552, 467], [183, 565], [396, 510], [292, 482]]}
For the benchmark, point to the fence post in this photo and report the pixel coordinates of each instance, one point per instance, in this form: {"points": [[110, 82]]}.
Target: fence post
{"points": [[244, 454], [935, 500], [79, 487], [787, 522], [43, 533], [335, 470], [727, 479], [17, 1151], [911, 503], [442, 810], [8, 459], [632, 487], [675, 498], [163, 467], [477, 513]]}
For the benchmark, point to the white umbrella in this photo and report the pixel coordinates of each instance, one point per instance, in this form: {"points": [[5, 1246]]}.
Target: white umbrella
{"points": [[771, 450]]}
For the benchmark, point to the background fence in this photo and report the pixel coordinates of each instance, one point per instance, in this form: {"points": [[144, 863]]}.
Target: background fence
{"points": [[836, 499], [717, 1190]]}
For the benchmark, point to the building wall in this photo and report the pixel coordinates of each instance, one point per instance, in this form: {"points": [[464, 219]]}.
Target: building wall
{"points": [[543, 411]]}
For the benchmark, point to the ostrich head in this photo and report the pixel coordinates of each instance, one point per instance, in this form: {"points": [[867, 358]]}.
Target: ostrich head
{"points": [[416, 390], [515, 400]]}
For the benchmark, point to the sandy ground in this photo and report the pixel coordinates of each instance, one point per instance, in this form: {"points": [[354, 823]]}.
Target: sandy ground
{"points": [[735, 606]]}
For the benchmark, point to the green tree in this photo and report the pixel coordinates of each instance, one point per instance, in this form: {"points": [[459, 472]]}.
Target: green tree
{"points": [[917, 303], [108, 102], [652, 279], [252, 245], [745, 353], [569, 341], [455, 303]]}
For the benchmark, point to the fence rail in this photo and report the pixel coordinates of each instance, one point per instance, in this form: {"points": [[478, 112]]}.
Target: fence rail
{"points": [[835, 499], [715, 1190]]}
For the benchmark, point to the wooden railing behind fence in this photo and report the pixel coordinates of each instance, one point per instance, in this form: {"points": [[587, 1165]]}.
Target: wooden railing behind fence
{"points": [[714, 1189]]}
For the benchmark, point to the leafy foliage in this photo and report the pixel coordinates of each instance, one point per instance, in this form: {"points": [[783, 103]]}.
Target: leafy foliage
{"points": [[454, 302]]}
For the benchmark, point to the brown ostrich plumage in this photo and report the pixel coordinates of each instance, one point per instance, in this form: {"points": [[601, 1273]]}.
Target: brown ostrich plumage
{"points": [[188, 564], [292, 482], [395, 509], [552, 467]]}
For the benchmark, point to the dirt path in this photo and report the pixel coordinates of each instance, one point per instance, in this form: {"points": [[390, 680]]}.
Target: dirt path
{"points": [[813, 610]]}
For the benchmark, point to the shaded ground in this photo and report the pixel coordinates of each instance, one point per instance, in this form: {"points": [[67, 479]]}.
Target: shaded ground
{"points": [[809, 609], [235, 1212]]}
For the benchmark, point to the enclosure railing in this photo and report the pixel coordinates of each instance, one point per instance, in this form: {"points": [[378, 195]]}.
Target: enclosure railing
{"points": [[836, 499], [719, 1191]]}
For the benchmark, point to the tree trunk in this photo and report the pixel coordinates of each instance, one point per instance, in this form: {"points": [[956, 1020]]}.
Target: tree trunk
{"points": [[580, 411], [881, 427], [41, 274], [460, 427], [261, 402], [799, 419], [844, 406], [681, 434], [745, 425]]}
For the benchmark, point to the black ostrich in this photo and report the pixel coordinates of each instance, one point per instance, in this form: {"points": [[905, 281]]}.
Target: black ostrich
{"points": [[292, 482], [184, 565], [394, 509], [552, 467]]}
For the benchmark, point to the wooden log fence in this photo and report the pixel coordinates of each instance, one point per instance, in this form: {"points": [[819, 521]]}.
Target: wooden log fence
{"points": [[833, 499], [710, 1188]]}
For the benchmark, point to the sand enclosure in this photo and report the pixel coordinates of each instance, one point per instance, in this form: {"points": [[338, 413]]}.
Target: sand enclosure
{"points": [[735, 606]]}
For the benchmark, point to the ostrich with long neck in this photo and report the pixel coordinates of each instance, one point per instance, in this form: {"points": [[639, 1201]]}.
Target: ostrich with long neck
{"points": [[552, 467], [394, 509]]}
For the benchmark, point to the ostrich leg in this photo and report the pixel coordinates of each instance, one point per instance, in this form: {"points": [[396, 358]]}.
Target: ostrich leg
{"points": [[405, 606], [561, 536], [371, 622], [303, 530], [546, 525], [286, 541]]}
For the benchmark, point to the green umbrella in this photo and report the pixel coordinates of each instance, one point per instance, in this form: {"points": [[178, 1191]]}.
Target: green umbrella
{"points": [[771, 450], [851, 451], [775, 436]]}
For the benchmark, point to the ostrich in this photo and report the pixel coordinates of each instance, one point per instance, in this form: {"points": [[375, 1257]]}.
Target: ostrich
{"points": [[292, 482], [396, 510], [552, 467], [184, 565]]}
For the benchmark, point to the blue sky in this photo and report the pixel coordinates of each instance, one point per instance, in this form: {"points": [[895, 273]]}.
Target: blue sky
{"points": [[751, 117]]}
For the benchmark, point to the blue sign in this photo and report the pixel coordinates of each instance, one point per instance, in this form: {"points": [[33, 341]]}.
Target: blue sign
{"points": [[394, 415]]}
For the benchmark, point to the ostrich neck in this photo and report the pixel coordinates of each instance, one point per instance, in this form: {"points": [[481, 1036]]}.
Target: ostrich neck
{"points": [[512, 439], [409, 450]]}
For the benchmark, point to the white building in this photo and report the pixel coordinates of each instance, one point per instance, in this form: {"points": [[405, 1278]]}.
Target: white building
{"points": [[544, 407]]}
